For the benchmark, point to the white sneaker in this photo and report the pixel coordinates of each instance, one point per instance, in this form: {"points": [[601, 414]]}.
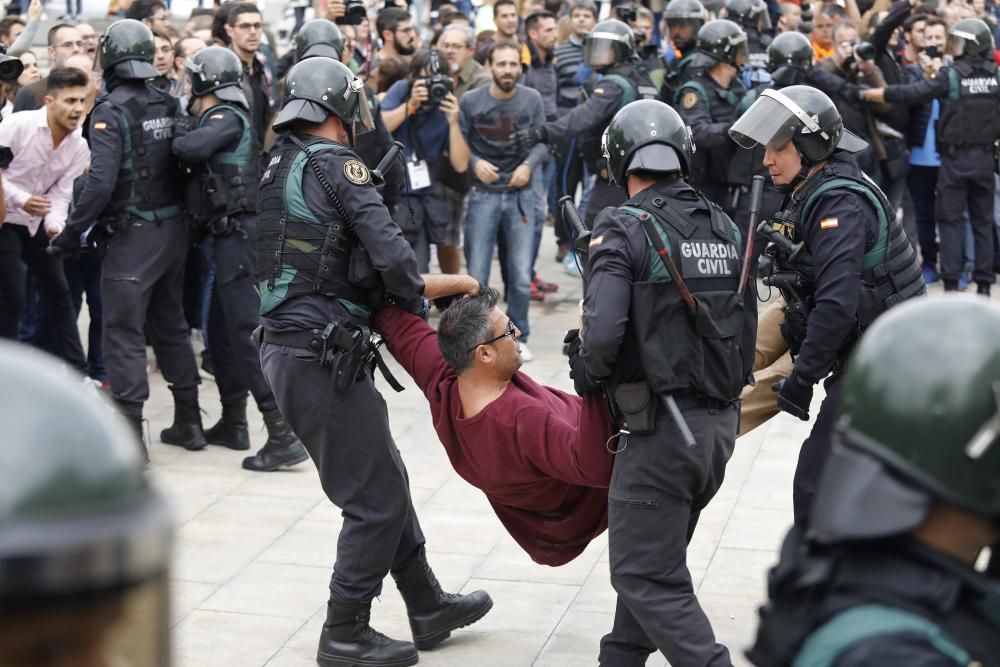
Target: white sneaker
{"points": [[526, 355]]}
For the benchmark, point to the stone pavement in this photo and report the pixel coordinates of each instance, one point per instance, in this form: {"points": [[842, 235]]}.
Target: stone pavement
{"points": [[255, 551]]}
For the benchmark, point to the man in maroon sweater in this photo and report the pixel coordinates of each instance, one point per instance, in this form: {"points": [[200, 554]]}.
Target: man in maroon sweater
{"points": [[536, 452]]}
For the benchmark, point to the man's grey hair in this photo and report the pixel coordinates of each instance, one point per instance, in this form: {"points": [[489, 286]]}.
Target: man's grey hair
{"points": [[464, 325], [470, 34]]}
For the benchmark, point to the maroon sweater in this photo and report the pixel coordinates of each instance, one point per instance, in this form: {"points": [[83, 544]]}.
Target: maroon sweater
{"points": [[536, 452]]}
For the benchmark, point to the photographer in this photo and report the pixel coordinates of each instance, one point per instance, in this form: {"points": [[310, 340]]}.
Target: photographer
{"points": [[422, 114]]}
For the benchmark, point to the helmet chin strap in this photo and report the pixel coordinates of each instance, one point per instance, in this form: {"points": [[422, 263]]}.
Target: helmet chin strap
{"points": [[805, 172]]}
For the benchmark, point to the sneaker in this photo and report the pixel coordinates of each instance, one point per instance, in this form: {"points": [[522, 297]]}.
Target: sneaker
{"points": [[537, 294], [963, 282], [526, 354], [544, 287], [561, 252], [570, 265], [930, 275]]}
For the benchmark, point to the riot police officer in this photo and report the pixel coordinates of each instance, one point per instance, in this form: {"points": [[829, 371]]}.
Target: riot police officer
{"points": [[887, 573], [130, 190], [319, 37], [753, 17], [220, 155], [85, 544], [789, 59], [684, 18], [663, 272], [840, 257], [328, 252], [709, 103], [610, 50], [967, 134]]}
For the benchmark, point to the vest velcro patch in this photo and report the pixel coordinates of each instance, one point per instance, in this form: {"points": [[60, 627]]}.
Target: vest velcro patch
{"points": [[708, 259], [828, 223]]}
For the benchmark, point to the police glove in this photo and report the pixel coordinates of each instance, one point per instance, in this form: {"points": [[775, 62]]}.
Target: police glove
{"points": [[66, 243], [794, 395], [525, 140], [582, 383]]}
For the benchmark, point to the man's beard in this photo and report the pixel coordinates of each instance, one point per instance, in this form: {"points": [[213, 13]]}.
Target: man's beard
{"points": [[506, 85], [405, 50]]}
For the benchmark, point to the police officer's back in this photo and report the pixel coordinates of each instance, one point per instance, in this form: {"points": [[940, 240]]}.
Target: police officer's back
{"points": [[886, 574]]}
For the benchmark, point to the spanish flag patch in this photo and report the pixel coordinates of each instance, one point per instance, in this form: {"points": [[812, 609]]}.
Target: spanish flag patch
{"points": [[828, 223]]}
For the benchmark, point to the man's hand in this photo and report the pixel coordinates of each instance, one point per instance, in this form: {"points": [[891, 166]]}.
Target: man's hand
{"points": [[35, 11], [520, 177], [419, 93], [53, 232], [486, 172], [67, 242], [525, 140], [37, 205], [929, 66], [437, 285], [336, 9], [876, 95], [449, 105], [794, 395]]}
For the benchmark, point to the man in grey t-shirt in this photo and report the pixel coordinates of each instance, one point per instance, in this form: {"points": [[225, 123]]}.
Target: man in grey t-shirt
{"points": [[501, 195]]}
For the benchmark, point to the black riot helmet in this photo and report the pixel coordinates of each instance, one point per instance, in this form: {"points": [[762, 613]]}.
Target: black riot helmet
{"points": [[85, 542], [320, 87], [971, 37], [751, 14], [217, 70], [789, 58], [646, 135], [319, 37], [610, 43], [126, 48], [687, 17], [721, 41]]}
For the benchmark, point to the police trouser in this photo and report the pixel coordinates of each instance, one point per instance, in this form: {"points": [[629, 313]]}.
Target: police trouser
{"points": [[232, 317], [771, 362], [142, 285], [347, 436], [658, 489], [965, 179], [814, 452], [602, 195]]}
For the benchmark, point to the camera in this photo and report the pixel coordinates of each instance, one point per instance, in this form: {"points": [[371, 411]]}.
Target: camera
{"points": [[933, 51], [864, 51], [438, 88], [10, 67], [355, 13]]}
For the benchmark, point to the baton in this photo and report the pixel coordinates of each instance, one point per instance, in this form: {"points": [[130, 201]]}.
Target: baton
{"points": [[378, 173], [571, 216], [756, 192], [678, 417]]}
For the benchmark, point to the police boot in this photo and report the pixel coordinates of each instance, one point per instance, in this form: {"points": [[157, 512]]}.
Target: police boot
{"points": [[186, 430], [282, 448], [348, 640], [434, 613], [983, 288], [231, 430]]}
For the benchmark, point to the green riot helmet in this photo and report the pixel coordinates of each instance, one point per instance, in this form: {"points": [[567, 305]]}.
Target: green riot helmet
{"points": [[800, 114], [217, 70], [751, 14], [319, 37], [920, 421], [789, 58], [971, 37], [84, 541], [684, 19], [610, 43], [647, 135], [721, 41], [320, 87], [126, 48]]}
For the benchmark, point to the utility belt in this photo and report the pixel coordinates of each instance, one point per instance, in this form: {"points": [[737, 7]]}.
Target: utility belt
{"points": [[634, 407], [223, 226], [347, 350], [107, 226]]}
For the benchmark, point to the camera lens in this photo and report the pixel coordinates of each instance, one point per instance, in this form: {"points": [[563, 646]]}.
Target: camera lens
{"points": [[865, 51], [10, 69]]}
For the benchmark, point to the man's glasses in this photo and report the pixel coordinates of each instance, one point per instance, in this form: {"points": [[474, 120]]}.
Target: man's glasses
{"points": [[247, 27], [509, 330]]}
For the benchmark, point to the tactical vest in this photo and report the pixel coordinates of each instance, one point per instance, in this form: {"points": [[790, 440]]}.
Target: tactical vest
{"points": [[297, 253], [890, 270], [148, 172], [712, 166], [678, 73], [635, 85], [971, 113], [219, 187], [707, 348], [757, 44]]}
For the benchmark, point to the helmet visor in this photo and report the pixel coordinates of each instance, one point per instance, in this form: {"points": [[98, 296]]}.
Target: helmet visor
{"points": [[364, 121], [771, 121], [958, 41], [602, 49]]}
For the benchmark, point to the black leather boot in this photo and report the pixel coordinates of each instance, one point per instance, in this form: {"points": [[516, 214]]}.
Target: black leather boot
{"points": [[282, 448], [231, 431], [349, 641], [186, 430], [983, 289], [434, 613], [132, 412]]}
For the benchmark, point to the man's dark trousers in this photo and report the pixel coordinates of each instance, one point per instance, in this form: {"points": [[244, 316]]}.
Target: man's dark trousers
{"points": [[923, 186], [965, 179], [83, 273], [815, 451]]}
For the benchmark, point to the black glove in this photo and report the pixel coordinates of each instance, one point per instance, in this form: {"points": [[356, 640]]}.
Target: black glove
{"points": [[525, 140], [794, 395], [582, 383], [571, 343], [68, 242]]}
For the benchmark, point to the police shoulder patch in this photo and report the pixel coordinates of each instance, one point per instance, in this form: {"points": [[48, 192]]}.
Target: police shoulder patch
{"points": [[689, 100], [356, 172]]}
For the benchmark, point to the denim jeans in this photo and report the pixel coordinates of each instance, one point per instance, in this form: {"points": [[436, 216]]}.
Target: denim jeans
{"points": [[541, 185], [514, 214]]}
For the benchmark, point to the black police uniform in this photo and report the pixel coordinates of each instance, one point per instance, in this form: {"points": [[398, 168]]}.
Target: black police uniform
{"points": [[132, 186], [742, 167], [858, 264], [898, 574], [640, 337], [314, 268], [678, 72], [221, 197], [625, 83], [709, 110], [967, 129]]}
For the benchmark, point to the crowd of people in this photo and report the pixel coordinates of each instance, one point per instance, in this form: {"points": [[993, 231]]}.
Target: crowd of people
{"points": [[279, 205]]}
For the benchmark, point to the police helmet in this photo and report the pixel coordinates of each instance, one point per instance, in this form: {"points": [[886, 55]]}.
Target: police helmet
{"points": [[971, 37], [646, 135], [920, 421], [126, 48], [751, 14], [217, 70], [721, 41], [610, 43], [800, 114], [685, 13], [319, 37], [320, 87], [85, 542]]}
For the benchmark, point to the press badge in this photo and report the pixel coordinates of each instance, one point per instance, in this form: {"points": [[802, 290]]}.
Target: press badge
{"points": [[420, 175]]}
